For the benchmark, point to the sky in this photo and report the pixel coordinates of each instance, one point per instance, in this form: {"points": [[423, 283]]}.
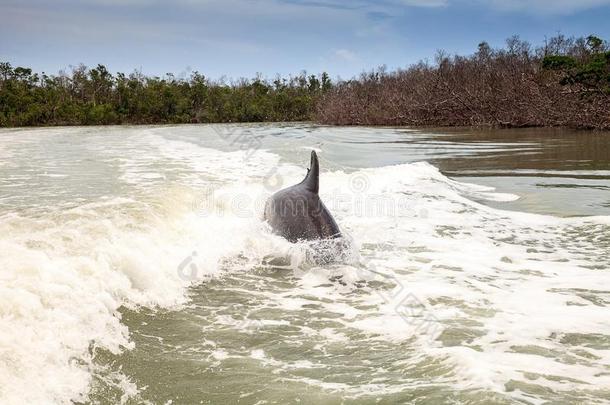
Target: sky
{"points": [[240, 38]]}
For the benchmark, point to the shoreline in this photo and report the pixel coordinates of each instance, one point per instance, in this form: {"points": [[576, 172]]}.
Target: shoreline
{"points": [[318, 124]]}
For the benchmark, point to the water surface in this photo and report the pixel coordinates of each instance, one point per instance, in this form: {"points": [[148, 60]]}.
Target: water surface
{"points": [[136, 267]]}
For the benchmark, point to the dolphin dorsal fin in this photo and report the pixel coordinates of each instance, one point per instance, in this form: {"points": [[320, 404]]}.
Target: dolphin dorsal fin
{"points": [[312, 180]]}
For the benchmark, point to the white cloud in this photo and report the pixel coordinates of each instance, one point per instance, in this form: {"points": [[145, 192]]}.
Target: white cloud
{"points": [[424, 3], [545, 6], [346, 55], [526, 6]]}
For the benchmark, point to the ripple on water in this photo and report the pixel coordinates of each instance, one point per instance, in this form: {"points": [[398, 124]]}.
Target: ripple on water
{"points": [[145, 290]]}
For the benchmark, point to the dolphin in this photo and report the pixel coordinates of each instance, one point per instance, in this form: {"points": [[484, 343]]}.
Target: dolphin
{"points": [[298, 214]]}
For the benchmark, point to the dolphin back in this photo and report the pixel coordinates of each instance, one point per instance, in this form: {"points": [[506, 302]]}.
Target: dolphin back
{"points": [[297, 213]]}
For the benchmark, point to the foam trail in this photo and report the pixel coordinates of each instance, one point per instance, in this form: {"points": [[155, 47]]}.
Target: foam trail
{"points": [[518, 298], [68, 271]]}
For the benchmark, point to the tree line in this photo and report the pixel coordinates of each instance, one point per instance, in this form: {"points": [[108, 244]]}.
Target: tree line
{"points": [[564, 82], [93, 96]]}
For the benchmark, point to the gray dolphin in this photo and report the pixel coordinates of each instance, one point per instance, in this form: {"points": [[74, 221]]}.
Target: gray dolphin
{"points": [[297, 213]]}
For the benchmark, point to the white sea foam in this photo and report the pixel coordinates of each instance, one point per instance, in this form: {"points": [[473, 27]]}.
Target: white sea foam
{"points": [[521, 272], [523, 283], [527, 281], [65, 275]]}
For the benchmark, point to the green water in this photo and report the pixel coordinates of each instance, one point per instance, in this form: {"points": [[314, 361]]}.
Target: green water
{"points": [[450, 293]]}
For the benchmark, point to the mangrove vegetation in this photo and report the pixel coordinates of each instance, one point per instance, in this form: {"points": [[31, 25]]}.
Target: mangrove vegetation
{"points": [[564, 82]]}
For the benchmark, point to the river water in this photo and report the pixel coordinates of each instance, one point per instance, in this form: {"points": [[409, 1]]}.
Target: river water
{"points": [[135, 267]]}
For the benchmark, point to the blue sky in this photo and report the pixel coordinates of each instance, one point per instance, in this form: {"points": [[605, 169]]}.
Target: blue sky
{"points": [[238, 38]]}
